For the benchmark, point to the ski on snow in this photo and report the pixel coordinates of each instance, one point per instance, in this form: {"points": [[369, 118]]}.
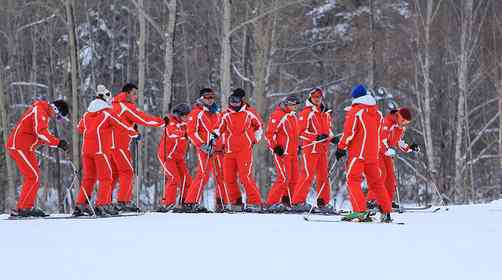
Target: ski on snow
{"points": [[317, 220], [75, 217]]}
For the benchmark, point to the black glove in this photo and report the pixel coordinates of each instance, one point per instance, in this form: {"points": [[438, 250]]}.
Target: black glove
{"points": [[300, 149], [335, 140], [414, 147], [278, 150], [207, 148], [214, 136], [63, 145], [321, 137], [137, 138], [166, 120], [135, 126], [339, 154]]}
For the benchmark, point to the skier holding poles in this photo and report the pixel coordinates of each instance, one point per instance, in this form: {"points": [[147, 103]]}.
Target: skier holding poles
{"points": [[202, 121], [97, 126], [31, 131], [394, 127], [361, 139], [282, 138], [125, 109], [171, 153], [316, 135]]}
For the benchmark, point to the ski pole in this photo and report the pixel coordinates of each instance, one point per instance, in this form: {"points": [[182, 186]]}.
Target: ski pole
{"points": [[84, 191], [216, 170], [306, 217], [136, 164]]}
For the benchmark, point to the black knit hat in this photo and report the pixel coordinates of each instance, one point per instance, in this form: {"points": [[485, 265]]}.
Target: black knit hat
{"points": [[206, 91], [291, 100], [182, 109], [62, 107], [239, 92]]}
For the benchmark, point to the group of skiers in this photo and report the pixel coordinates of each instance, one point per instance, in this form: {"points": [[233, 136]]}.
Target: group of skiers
{"points": [[224, 142]]}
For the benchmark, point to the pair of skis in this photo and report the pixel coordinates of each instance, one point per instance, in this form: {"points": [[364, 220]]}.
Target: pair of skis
{"points": [[76, 217]]}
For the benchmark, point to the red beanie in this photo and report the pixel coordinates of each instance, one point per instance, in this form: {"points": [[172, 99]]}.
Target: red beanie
{"points": [[405, 113]]}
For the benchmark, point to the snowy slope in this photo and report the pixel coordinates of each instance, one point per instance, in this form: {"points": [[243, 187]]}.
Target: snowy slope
{"points": [[463, 243]]}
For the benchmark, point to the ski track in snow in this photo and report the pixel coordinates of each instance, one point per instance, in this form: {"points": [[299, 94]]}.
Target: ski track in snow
{"points": [[462, 243]]}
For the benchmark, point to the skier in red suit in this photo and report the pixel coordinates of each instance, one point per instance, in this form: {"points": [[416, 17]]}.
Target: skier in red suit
{"points": [[171, 153], [30, 132], [124, 107], [316, 135], [240, 129], [282, 138], [394, 127], [361, 138], [97, 126], [202, 122]]}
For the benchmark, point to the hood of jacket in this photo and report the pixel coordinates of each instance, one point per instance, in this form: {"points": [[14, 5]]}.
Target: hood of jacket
{"points": [[98, 105]]}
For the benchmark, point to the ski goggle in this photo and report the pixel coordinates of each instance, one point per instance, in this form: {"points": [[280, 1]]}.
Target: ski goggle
{"points": [[209, 97]]}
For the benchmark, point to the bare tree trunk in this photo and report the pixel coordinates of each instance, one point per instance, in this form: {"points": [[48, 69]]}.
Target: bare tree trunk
{"points": [[10, 194], [74, 79], [226, 53], [141, 89], [372, 49], [168, 56], [262, 32], [463, 84]]}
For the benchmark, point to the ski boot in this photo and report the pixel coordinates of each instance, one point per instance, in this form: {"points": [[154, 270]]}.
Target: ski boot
{"points": [[37, 212], [126, 207], [301, 208], [165, 208], [253, 208], [20, 213], [226, 208], [101, 211], [361, 217], [385, 218], [323, 208], [276, 208], [236, 208], [82, 210], [372, 207], [185, 208]]}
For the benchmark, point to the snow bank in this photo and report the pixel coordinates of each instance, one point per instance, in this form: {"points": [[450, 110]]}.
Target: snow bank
{"points": [[463, 243]]}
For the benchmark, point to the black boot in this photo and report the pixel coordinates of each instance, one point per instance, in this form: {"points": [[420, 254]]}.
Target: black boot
{"points": [[37, 212], [82, 210], [385, 218], [101, 211], [165, 208], [20, 213]]}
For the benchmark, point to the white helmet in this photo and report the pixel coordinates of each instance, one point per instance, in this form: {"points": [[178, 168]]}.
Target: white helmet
{"points": [[104, 93]]}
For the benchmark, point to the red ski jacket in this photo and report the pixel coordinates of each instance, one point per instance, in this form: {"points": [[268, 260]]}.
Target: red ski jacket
{"points": [[201, 122], [129, 114], [314, 121], [96, 127], [174, 141], [392, 135], [240, 130], [362, 128], [32, 129], [282, 130]]}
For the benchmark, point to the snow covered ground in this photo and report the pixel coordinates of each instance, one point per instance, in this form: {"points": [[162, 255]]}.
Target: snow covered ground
{"points": [[463, 243]]}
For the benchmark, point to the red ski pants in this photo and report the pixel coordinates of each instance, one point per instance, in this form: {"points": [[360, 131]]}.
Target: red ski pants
{"points": [[123, 172], [388, 178], [241, 164], [355, 169], [96, 167], [176, 175], [208, 165], [314, 165], [27, 164], [286, 179]]}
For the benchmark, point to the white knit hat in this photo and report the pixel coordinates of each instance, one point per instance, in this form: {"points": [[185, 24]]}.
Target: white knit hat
{"points": [[103, 92]]}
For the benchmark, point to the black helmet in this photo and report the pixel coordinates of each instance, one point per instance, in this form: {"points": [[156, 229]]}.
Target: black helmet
{"points": [[182, 109], [61, 107], [239, 92]]}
